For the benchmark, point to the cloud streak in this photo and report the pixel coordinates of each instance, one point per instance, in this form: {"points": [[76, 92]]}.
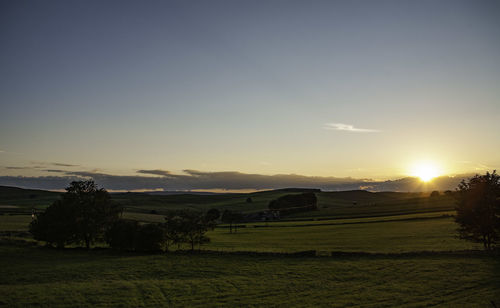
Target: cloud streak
{"points": [[63, 165], [155, 172], [349, 128]]}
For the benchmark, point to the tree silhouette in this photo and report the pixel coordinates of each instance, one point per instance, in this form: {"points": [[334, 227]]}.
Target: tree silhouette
{"points": [[212, 214], [81, 216], [478, 209], [57, 225]]}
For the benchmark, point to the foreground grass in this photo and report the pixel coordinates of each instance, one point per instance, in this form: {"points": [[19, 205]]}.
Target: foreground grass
{"points": [[49, 277]]}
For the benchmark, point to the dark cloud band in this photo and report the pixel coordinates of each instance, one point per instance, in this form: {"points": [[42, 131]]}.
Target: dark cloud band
{"points": [[193, 179]]}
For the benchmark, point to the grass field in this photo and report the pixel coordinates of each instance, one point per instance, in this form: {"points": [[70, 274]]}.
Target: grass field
{"points": [[48, 277], [404, 233], [454, 275], [393, 236], [14, 222]]}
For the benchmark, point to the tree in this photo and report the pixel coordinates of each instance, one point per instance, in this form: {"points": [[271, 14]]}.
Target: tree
{"points": [[81, 216], [190, 227], [478, 209], [237, 217], [173, 229], [230, 218], [435, 193], [130, 235], [212, 214], [94, 209], [194, 226], [122, 234], [227, 217], [57, 225], [150, 237]]}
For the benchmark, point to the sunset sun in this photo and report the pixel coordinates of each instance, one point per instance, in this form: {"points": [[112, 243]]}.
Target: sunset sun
{"points": [[426, 171]]}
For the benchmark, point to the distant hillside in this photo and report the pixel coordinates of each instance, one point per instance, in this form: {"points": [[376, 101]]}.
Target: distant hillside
{"points": [[353, 203], [26, 197]]}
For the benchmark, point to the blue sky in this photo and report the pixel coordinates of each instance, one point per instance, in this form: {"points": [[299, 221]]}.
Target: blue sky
{"points": [[319, 88]]}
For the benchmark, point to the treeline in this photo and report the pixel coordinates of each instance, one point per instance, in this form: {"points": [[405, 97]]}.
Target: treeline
{"points": [[294, 203], [180, 227], [86, 214]]}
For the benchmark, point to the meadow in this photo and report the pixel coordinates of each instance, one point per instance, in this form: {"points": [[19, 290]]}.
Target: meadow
{"points": [[384, 257], [33, 276]]}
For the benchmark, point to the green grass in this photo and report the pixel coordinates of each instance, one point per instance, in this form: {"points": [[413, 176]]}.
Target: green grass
{"points": [[14, 222], [394, 236], [405, 233], [31, 276], [378, 223], [36, 276]]}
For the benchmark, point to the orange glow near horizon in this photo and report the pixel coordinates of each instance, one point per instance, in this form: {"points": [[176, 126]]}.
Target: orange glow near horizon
{"points": [[426, 171]]}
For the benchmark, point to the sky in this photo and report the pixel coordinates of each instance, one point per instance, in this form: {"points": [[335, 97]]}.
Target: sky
{"points": [[319, 89]]}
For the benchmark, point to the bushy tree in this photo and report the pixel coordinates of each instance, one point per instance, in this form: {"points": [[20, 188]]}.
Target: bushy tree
{"points": [[194, 226], [56, 226], [81, 216], [212, 214], [173, 226], [190, 227], [478, 209], [93, 208], [435, 193], [122, 234], [150, 237]]}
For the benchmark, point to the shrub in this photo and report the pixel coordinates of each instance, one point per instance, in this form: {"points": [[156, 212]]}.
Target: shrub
{"points": [[122, 234], [150, 237]]}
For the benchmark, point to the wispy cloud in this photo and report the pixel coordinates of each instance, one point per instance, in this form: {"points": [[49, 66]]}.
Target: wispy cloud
{"points": [[349, 128], [45, 164], [155, 172], [63, 165]]}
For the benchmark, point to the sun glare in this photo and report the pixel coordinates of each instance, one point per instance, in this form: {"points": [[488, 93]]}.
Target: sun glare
{"points": [[425, 171]]}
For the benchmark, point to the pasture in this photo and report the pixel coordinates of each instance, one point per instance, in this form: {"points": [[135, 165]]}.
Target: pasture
{"points": [[73, 277], [387, 230], [391, 234]]}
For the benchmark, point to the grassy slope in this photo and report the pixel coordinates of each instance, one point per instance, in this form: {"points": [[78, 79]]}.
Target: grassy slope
{"points": [[26, 198], [330, 204], [35, 276]]}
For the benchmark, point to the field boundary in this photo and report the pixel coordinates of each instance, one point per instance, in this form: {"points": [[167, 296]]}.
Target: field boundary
{"points": [[305, 253], [338, 223]]}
